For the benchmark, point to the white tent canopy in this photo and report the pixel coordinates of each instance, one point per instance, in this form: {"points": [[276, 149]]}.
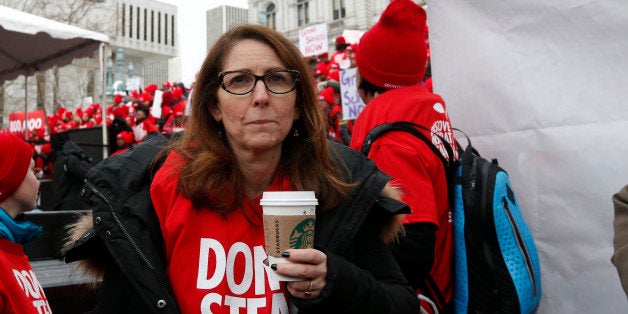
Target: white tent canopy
{"points": [[30, 43]]}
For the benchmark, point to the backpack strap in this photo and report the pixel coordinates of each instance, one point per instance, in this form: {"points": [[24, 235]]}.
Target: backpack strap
{"points": [[450, 164]]}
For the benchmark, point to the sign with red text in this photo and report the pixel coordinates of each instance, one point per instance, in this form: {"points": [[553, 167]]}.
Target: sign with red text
{"points": [[352, 104], [36, 120], [313, 40]]}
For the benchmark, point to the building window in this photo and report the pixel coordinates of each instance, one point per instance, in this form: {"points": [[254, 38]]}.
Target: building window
{"points": [[130, 21], [339, 9], [166, 29], [159, 27], [303, 12], [152, 26], [123, 18], [172, 30], [270, 16], [137, 24], [145, 22]]}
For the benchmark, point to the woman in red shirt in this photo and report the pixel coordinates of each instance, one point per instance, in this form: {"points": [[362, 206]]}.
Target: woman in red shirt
{"points": [[254, 127]]}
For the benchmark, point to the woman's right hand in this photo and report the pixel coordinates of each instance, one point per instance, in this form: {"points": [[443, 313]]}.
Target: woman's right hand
{"points": [[309, 264]]}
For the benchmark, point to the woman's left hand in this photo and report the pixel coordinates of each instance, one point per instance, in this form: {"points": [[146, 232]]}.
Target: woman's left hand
{"points": [[309, 264]]}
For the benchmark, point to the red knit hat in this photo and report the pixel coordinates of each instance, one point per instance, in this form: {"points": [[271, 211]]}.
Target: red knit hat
{"points": [[127, 136], [392, 54], [14, 164], [179, 109], [150, 88], [327, 95]]}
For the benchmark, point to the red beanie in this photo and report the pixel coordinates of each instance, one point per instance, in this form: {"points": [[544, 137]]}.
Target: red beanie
{"points": [[327, 95], [150, 88], [392, 54], [14, 163], [179, 109]]}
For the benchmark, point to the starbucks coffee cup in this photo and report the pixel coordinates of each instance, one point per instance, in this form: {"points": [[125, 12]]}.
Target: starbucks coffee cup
{"points": [[289, 221]]}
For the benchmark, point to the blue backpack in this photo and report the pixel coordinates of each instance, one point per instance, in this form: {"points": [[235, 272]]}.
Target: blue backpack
{"points": [[496, 266]]}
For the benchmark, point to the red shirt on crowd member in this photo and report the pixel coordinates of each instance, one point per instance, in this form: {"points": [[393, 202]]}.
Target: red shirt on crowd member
{"points": [[398, 96], [176, 121], [143, 125], [340, 56]]}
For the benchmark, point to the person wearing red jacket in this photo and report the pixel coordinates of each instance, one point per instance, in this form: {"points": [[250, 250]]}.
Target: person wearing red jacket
{"points": [[332, 112], [143, 126], [391, 62], [20, 291]]}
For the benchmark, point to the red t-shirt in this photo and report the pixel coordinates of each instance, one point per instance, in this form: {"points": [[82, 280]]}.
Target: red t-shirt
{"points": [[20, 291], [413, 166], [215, 262]]}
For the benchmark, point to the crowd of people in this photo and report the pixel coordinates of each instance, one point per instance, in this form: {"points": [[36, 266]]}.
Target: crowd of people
{"points": [[129, 120], [186, 232]]}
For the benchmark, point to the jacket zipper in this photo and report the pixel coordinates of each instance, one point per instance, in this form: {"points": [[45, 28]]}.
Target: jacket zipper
{"points": [[128, 237], [522, 246]]}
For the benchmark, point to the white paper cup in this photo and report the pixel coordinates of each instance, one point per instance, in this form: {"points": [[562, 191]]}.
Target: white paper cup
{"points": [[289, 221]]}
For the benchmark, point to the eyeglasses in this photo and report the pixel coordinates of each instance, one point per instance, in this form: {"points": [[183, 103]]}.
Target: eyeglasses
{"points": [[243, 82]]}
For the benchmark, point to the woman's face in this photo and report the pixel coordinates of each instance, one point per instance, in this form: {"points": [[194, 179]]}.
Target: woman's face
{"points": [[260, 120]]}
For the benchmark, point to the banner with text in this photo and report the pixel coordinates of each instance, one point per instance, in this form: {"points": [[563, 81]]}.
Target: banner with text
{"points": [[313, 40], [36, 120], [352, 104]]}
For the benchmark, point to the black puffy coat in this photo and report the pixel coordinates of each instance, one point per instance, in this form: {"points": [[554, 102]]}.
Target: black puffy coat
{"points": [[126, 239]]}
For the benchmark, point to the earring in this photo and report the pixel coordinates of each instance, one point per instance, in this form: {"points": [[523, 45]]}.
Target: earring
{"points": [[296, 132]]}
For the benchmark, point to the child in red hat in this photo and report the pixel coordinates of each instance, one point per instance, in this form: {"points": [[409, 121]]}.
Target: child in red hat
{"points": [[20, 291]]}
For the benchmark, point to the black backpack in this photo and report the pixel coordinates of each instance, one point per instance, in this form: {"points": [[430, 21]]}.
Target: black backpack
{"points": [[496, 266]]}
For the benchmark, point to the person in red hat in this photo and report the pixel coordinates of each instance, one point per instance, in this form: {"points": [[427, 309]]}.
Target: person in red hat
{"points": [[20, 290], [150, 89], [391, 63], [124, 142], [40, 144], [340, 56], [351, 51], [176, 121], [143, 126], [332, 112], [322, 68]]}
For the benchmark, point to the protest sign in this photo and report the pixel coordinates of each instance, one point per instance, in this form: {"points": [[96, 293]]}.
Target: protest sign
{"points": [[36, 120], [313, 40], [352, 104], [155, 110]]}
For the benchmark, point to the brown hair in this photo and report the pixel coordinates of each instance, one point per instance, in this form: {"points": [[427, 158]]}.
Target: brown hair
{"points": [[211, 177]]}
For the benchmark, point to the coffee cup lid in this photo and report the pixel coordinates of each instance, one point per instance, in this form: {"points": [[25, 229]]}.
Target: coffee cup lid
{"points": [[289, 198]]}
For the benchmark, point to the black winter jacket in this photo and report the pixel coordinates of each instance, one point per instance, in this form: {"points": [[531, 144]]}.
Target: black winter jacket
{"points": [[126, 243]]}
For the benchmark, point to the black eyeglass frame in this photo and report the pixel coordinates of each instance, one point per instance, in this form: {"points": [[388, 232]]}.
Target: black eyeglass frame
{"points": [[295, 74]]}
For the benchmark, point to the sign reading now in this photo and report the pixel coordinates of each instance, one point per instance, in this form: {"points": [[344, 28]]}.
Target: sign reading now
{"points": [[313, 40]]}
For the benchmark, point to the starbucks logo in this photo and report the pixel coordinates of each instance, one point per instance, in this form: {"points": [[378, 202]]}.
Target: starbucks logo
{"points": [[302, 236]]}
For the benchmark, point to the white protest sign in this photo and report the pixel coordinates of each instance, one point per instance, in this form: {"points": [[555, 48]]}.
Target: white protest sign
{"points": [[313, 40], [352, 36], [133, 83], [352, 104], [155, 110]]}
